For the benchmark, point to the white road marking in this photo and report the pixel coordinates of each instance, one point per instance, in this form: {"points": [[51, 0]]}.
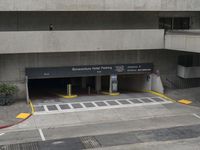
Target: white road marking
{"points": [[2, 134], [58, 107], [42, 135], [84, 108], [45, 108], [196, 116]]}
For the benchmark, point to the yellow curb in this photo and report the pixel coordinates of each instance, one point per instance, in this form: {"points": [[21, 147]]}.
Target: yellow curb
{"points": [[111, 94], [161, 95], [23, 115], [32, 107], [185, 101]]}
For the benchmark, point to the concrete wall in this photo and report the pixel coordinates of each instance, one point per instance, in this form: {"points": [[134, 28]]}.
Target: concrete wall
{"points": [[84, 40], [135, 82], [40, 21], [99, 5], [12, 66], [183, 41]]}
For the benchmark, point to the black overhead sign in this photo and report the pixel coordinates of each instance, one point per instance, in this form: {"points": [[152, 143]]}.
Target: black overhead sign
{"points": [[93, 70]]}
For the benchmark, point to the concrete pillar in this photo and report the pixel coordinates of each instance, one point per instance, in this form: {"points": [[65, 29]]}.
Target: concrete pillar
{"points": [[84, 82], [98, 84]]}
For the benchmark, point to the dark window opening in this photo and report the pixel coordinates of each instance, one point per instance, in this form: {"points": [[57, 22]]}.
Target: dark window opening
{"points": [[165, 23], [181, 23], [189, 60], [169, 23]]}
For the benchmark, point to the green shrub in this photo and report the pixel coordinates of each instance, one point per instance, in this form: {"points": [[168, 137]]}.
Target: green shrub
{"points": [[7, 89]]}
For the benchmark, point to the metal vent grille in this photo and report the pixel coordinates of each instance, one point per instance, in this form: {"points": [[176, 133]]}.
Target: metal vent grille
{"points": [[90, 142], [26, 146]]}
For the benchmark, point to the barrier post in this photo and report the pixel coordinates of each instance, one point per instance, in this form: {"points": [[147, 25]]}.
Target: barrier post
{"points": [[69, 90]]}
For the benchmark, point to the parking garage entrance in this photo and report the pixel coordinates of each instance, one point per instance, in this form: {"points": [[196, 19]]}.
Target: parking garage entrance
{"points": [[50, 82]]}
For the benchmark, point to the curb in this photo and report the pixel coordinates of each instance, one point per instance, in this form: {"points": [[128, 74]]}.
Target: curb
{"points": [[10, 125], [31, 106], [161, 95]]}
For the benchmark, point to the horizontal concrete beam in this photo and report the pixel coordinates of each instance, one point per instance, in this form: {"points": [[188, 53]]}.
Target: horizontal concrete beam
{"points": [[185, 41], [99, 5], [82, 40]]}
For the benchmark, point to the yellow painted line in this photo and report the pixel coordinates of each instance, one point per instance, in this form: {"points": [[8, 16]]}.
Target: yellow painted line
{"points": [[32, 107], [23, 115], [67, 96], [185, 101], [111, 94], [161, 95]]}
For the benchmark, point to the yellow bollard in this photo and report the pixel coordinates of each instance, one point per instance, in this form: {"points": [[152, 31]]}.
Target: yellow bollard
{"points": [[69, 90]]}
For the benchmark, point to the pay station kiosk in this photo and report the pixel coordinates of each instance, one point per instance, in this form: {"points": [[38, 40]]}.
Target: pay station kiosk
{"points": [[113, 84]]}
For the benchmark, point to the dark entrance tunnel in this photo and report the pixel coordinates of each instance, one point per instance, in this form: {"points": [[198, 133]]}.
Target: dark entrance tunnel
{"points": [[53, 87]]}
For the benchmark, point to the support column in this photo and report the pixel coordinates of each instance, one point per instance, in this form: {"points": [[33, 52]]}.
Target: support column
{"points": [[98, 84], [27, 91]]}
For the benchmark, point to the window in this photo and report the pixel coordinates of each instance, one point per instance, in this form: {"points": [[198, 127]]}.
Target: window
{"points": [[185, 60], [170, 23], [165, 23], [181, 23], [189, 60]]}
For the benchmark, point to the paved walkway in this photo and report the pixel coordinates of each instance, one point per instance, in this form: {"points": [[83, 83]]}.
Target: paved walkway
{"points": [[192, 94], [8, 113], [116, 139], [166, 121]]}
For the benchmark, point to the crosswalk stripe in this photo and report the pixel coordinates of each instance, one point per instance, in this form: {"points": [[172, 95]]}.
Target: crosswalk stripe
{"points": [[96, 107]]}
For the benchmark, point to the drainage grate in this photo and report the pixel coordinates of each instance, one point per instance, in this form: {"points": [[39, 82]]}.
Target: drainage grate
{"points": [[25, 146], [157, 99], [135, 101], [100, 104], [77, 106], [39, 109], [64, 106], [112, 103], [52, 107], [90, 142], [146, 100], [89, 105], [124, 102]]}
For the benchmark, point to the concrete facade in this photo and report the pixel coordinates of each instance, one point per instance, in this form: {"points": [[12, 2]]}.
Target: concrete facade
{"points": [[183, 41], [99, 5], [88, 32], [12, 66], [86, 20], [71, 41]]}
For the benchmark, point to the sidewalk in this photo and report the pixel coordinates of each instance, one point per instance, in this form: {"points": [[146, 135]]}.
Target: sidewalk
{"points": [[192, 94], [8, 113]]}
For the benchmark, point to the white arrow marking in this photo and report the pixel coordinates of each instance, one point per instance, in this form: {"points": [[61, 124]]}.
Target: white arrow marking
{"points": [[2, 134]]}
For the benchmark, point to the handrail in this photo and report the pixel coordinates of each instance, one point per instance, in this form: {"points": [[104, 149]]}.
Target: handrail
{"points": [[172, 83]]}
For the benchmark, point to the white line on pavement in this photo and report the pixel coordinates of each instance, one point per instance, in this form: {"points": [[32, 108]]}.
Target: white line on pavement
{"points": [[2, 134], [196, 116], [42, 135]]}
